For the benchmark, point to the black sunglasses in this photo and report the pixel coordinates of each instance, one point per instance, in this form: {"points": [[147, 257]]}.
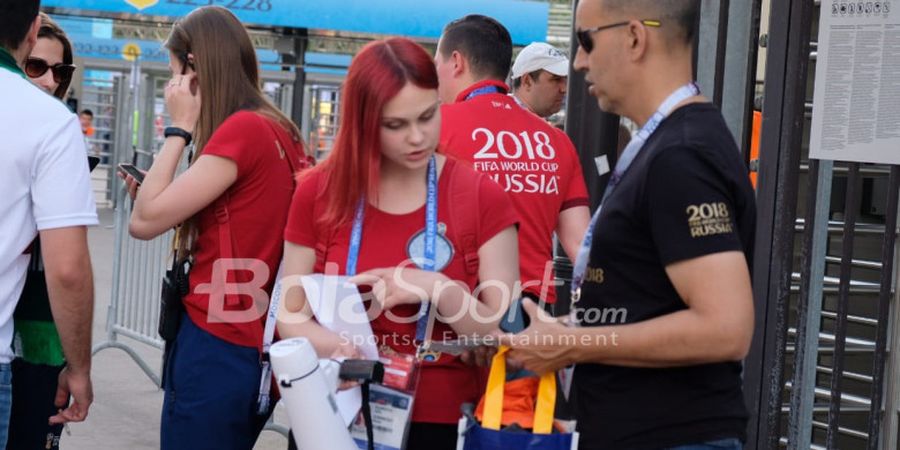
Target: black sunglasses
{"points": [[37, 67], [587, 42]]}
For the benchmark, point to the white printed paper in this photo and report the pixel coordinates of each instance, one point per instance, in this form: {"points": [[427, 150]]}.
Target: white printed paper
{"points": [[856, 104], [338, 307]]}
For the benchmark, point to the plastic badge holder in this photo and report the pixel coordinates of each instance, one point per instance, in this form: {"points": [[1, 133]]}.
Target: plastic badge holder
{"points": [[400, 372], [391, 404]]}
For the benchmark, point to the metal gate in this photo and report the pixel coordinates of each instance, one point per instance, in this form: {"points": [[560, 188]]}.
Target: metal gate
{"points": [[100, 94], [824, 274], [324, 116]]}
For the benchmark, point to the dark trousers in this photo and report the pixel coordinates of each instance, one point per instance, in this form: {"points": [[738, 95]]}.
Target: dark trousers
{"points": [[211, 391], [33, 394]]}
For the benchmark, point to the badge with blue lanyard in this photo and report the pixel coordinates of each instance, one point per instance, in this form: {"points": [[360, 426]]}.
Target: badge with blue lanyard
{"points": [[392, 406], [424, 324], [628, 155]]}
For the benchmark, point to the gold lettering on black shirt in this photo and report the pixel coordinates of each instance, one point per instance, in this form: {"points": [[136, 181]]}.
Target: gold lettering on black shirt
{"points": [[594, 275], [709, 219]]}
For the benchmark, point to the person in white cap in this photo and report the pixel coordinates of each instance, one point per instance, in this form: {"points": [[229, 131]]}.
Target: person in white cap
{"points": [[539, 78]]}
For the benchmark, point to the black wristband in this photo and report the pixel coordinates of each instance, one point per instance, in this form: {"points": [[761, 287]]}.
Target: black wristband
{"points": [[175, 131]]}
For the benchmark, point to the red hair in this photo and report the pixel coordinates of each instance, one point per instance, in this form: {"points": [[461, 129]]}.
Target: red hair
{"points": [[377, 73]]}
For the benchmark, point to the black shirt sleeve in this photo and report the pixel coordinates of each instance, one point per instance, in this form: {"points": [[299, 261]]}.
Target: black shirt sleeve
{"points": [[690, 206]]}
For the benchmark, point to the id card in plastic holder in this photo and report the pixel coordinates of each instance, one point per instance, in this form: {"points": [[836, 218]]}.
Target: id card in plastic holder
{"points": [[391, 403], [391, 417], [400, 371]]}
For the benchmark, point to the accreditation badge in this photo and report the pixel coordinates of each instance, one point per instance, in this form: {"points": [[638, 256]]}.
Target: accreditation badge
{"points": [[391, 403], [391, 417]]}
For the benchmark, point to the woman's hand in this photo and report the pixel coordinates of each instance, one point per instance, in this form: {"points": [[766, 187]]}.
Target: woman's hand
{"points": [[401, 286], [183, 101], [346, 350], [130, 183]]}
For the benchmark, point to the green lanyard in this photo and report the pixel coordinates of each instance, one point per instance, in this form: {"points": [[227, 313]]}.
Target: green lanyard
{"points": [[9, 63]]}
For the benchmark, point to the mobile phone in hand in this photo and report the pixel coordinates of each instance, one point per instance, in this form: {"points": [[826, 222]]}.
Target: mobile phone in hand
{"points": [[516, 319], [129, 169]]}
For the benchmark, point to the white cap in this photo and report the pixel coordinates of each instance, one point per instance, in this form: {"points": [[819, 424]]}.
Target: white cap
{"points": [[539, 55]]}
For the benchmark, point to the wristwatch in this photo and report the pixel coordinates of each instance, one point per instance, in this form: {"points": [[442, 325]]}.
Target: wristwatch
{"points": [[175, 131]]}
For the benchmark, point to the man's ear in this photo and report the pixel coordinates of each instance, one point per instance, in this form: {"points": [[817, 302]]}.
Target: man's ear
{"points": [[460, 65], [32, 36], [637, 40], [527, 81]]}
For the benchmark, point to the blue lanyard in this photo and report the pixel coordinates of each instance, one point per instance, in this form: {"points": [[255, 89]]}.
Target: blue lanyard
{"points": [[482, 91], [631, 151], [431, 226]]}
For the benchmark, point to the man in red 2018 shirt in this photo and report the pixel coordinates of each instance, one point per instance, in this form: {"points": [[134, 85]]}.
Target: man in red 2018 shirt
{"points": [[535, 163]]}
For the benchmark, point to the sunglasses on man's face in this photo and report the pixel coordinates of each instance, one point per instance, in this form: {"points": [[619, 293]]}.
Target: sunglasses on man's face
{"points": [[37, 67], [586, 41]]}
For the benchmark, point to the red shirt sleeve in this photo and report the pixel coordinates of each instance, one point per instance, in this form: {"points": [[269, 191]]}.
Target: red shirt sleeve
{"points": [[238, 140], [301, 223], [497, 211]]}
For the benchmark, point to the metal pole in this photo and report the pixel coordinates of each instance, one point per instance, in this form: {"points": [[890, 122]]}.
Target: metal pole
{"points": [[809, 308], [786, 79], [593, 132], [711, 48], [739, 87], [892, 405], [851, 213], [297, 58], [888, 251]]}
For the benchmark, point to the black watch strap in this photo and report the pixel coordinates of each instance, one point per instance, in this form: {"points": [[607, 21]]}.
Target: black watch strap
{"points": [[175, 131]]}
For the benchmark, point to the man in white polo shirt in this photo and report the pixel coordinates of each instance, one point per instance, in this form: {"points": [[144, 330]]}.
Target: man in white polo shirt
{"points": [[45, 189], [539, 78]]}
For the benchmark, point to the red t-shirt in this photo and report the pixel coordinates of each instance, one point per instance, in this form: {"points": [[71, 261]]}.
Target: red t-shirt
{"points": [[446, 383], [257, 207], [534, 162]]}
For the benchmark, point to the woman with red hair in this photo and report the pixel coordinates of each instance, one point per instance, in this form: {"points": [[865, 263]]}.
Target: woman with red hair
{"points": [[415, 226]]}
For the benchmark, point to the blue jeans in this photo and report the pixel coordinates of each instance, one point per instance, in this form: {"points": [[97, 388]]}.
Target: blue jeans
{"points": [[34, 396], [5, 401], [211, 390], [723, 444]]}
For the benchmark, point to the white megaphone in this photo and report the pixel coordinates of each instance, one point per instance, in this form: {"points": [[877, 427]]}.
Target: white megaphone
{"points": [[307, 387]]}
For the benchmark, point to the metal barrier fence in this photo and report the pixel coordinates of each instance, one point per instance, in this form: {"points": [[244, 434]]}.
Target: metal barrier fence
{"points": [[138, 267]]}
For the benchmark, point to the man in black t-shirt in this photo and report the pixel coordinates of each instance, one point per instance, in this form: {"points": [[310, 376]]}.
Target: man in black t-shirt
{"points": [[665, 313]]}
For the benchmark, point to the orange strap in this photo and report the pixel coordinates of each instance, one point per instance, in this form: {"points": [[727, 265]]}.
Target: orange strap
{"points": [[493, 397]]}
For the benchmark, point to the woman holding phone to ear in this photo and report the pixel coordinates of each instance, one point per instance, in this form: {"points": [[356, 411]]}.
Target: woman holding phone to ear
{"points": [[232, 203], [39, 356]]}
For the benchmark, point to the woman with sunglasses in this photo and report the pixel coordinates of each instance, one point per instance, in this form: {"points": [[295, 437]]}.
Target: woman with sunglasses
{"points": [[50, 64], [38, 349], [230, 207]]}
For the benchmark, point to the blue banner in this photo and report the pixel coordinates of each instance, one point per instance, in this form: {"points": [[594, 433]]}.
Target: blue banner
{"points": [[146, 51], [525, 20]]}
